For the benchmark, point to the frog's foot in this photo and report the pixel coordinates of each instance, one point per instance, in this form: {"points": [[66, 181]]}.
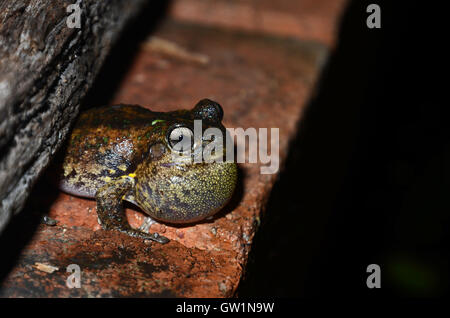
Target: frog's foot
{"points": [[127, 229]]}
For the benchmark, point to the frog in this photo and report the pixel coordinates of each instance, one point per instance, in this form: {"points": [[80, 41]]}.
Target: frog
{"points": [[129, 153]]}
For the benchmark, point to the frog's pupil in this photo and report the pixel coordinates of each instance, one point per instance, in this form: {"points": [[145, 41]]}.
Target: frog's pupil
{"points": [[177, 140]]}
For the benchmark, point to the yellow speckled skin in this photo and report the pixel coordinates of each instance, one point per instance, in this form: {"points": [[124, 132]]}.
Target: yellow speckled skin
{"points": [[122, 152], [185, 195]]}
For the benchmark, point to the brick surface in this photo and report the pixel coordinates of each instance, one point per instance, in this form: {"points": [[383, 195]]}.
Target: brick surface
{"points": [[261, 81], [304, 20]]}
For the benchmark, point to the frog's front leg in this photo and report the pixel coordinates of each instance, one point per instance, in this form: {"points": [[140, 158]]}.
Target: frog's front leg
{"points": [[111, 214]]}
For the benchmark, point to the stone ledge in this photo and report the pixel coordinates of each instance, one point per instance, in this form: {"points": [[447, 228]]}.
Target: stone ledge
{"points": [[304, 20]]}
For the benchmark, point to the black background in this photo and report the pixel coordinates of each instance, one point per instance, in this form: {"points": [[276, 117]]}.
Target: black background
{"points": [[367, 178]]}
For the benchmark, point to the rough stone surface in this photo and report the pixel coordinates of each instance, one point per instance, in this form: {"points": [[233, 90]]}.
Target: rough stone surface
{"points": [[115, 265], [45, 69]]}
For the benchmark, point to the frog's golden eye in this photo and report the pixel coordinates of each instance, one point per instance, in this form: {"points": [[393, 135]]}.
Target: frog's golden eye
{"points": [[181, 139]]}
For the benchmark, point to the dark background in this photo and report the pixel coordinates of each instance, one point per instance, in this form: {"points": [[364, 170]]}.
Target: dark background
{"points": [[367, 179]]}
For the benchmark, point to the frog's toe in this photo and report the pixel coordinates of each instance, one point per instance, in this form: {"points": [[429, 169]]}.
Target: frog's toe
{"points": [[159, 238], [146, 236]]}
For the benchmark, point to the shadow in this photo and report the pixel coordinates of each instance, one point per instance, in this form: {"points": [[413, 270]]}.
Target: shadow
{"points": [[363, 182], [22, 227]]}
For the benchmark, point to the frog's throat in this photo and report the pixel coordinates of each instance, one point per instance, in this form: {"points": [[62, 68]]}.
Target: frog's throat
{"points": [[188, 198]]}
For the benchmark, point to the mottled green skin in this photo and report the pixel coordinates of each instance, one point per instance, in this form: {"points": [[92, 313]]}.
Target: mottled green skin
{"points": [[122, 152]]}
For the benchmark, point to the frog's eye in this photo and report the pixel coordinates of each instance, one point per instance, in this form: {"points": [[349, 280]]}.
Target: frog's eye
{"points": [[181, 139]]}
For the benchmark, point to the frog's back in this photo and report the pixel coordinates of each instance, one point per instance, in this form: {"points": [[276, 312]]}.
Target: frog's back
{"points": [[106, 142]]}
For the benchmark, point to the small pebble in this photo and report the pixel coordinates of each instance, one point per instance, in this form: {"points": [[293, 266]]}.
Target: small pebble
{"points": [[45, 267], [49, 221]]}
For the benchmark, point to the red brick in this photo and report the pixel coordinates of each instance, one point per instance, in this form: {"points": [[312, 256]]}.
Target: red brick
{"points": [[302, 19]]}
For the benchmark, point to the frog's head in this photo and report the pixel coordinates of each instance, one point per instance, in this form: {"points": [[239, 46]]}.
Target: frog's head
{"points": [[187, 177]]}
